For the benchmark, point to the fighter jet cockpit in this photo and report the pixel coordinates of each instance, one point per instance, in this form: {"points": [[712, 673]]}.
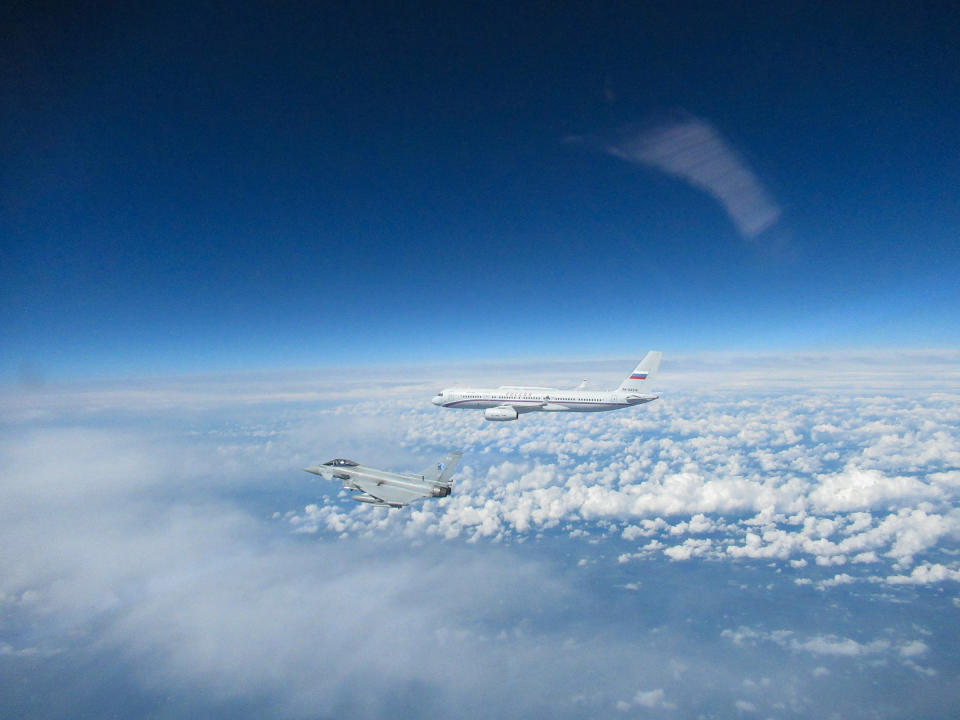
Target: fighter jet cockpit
{"points": [[341, 462]]}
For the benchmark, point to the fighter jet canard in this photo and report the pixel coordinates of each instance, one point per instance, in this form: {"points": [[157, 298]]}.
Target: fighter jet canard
{"points": [[382, 488], [508, 402]]}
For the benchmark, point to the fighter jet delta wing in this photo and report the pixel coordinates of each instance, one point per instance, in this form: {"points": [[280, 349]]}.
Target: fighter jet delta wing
{"points": [[383, 488], [392, 495]]}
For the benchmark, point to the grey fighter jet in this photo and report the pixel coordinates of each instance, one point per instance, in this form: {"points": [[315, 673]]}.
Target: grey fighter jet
{"points": [[383, 488]]}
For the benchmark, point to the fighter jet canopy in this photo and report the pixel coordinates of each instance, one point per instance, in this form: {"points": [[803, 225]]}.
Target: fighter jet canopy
{"points": [[341, 462]]}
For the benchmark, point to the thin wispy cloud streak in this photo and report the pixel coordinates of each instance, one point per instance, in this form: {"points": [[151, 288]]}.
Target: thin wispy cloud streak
{"points": [[691, 149]]}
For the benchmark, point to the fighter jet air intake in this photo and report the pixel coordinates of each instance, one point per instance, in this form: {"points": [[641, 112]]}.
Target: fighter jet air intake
{"points": [[382, 488], [509, 402]]}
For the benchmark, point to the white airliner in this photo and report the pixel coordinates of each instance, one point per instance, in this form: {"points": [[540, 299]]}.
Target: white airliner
{"points": [[508, 402]]}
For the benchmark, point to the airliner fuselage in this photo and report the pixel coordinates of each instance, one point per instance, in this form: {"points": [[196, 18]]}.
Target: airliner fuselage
{"points": [[544, 399], [508, 402]]}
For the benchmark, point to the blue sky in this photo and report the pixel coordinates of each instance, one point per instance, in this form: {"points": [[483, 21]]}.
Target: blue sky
{"points": [[197, 188]]}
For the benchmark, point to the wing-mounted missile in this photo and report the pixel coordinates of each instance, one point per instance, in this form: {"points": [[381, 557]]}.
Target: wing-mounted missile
{"points": [[370, 499]]}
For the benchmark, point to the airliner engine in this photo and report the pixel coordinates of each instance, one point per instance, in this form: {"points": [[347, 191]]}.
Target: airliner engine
{"points": [[503, 412]]}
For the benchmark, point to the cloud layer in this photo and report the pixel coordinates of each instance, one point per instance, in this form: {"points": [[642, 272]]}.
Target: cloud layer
{"points": [[160, 548]]}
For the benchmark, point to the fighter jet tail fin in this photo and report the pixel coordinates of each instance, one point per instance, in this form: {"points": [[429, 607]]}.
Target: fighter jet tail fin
{"points": [[641, 375], [442, 471]]}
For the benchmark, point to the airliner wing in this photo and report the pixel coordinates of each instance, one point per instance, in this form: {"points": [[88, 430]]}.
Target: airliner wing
{"points": [[525, 407], [391, 494]]}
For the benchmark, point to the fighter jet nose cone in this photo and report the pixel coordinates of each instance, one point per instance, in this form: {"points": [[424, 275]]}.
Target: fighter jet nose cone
{"points": [[314, 470]]}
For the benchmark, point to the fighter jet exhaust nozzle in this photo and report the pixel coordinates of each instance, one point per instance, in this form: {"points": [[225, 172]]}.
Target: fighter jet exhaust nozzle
{"points": [[441, 490]]}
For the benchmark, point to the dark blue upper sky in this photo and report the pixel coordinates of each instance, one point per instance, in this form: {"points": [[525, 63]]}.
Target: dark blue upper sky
{"points": [[221, 186]]}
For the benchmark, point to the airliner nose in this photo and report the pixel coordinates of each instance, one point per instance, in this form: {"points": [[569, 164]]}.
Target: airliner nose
{"points": [[437, 400]]}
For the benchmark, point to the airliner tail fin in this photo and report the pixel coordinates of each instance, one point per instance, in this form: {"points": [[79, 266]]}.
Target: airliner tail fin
{"points": [[641, 375]]}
